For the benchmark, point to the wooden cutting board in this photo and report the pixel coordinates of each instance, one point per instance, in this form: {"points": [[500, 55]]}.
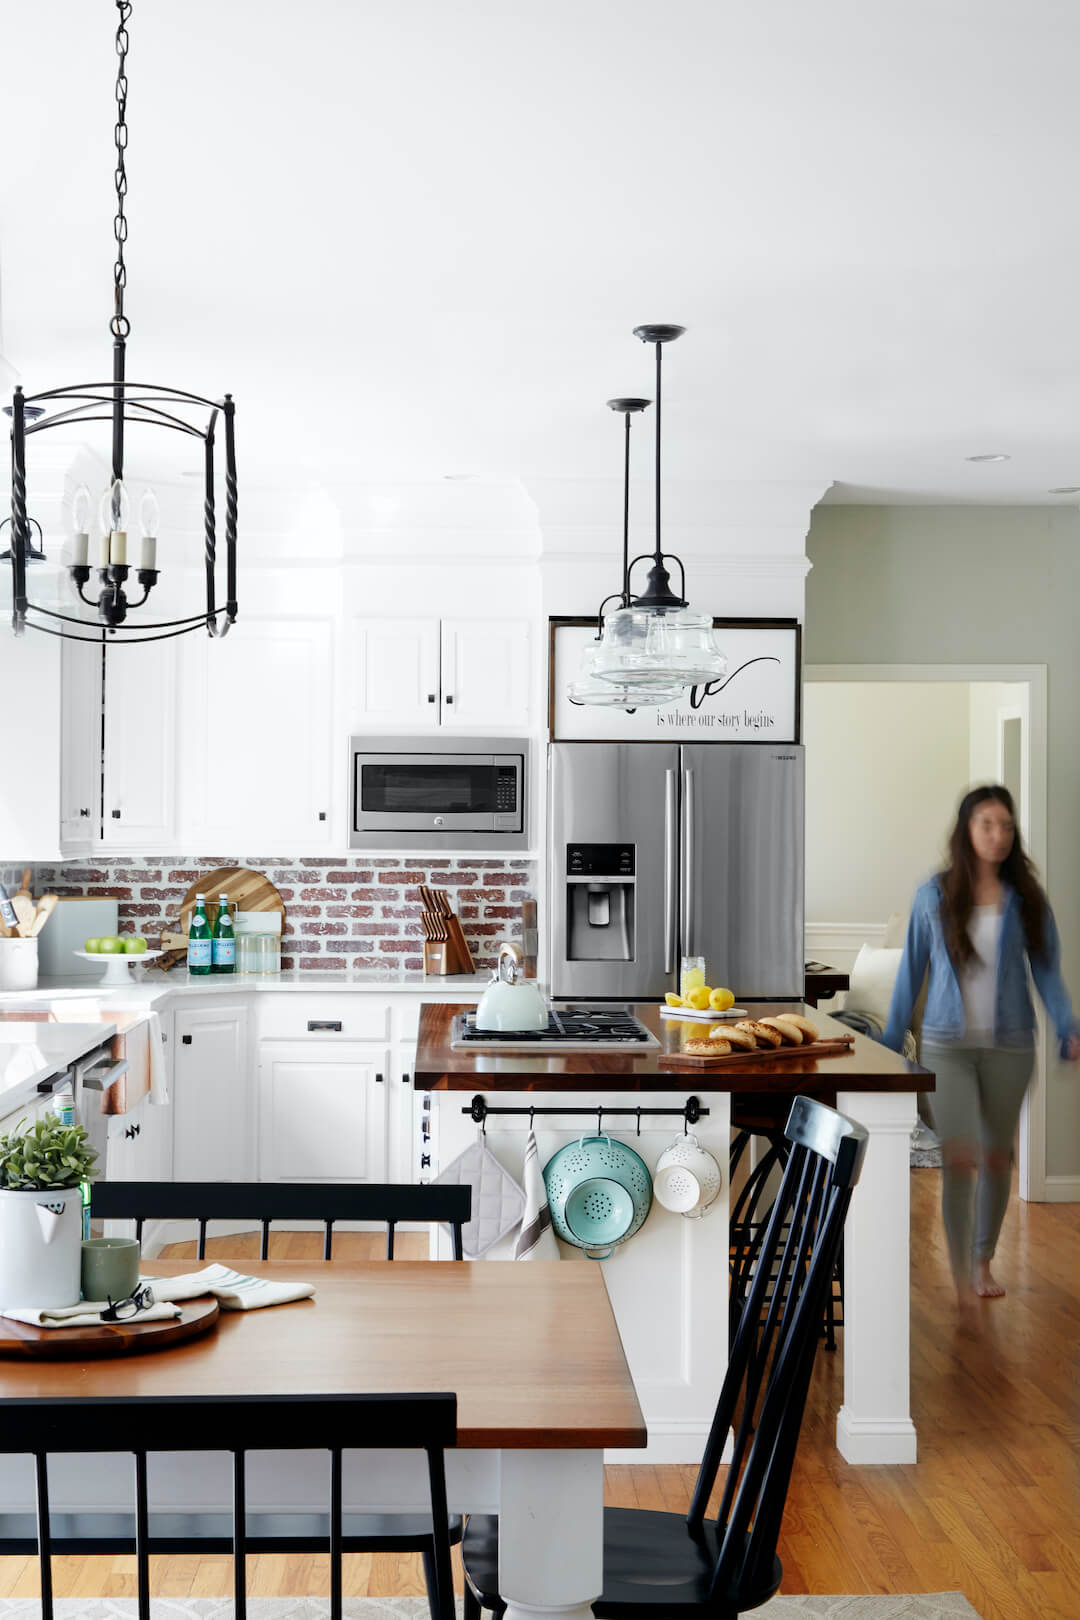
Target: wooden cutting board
{"points": [[830, 1048], [252, 891]]}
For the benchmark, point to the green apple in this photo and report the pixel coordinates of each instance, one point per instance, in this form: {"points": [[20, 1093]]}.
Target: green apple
{"points": [[92, 946], [134, 947], [111, 945]]}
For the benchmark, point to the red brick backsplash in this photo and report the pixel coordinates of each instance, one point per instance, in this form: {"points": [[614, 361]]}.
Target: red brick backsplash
{"points": [[340, 914]]}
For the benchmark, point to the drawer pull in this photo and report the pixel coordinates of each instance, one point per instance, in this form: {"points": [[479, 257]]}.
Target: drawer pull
{"points": [[132, 1131], [325, 1023]]}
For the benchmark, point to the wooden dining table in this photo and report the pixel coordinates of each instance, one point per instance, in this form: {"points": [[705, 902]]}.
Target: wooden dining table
{"points": [[531, 1350]]}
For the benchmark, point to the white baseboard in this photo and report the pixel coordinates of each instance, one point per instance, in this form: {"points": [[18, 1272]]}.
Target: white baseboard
{"points": [[1060, 1190], [875, 1440]]}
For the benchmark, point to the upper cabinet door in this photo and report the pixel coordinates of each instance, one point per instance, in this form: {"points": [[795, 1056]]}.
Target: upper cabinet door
{"points": [[80, 745], [257, 737], [393, 673], [30, 794], [138, 811], [485, 674]]}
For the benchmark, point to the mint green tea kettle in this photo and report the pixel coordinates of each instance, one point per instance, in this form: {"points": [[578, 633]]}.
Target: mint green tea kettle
{"points": [[511, 1001]]}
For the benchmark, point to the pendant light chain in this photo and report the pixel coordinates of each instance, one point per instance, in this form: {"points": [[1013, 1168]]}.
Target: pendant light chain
{"points": [[120, 326]]}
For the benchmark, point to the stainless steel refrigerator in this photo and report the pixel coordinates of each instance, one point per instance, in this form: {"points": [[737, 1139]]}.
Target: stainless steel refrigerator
{"points": [[657, 851]]}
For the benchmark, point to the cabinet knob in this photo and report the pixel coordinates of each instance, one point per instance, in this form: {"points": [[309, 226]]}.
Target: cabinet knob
{"points": [[322, 815], [431, 697], [425, 1160], [116, 815], [185, 1040], [449, 697], [84, 812], [378, 1079], [405, 1079], [132, 1131]]}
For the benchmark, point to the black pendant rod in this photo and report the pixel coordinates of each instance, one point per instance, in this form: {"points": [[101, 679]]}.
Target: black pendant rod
{"points": [[658, 594]]}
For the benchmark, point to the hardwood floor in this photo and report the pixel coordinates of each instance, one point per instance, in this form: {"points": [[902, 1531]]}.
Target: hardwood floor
{"points": [[991, 1508]]}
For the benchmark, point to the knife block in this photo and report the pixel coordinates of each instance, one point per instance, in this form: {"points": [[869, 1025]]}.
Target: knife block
{"points": [[444, 956]]}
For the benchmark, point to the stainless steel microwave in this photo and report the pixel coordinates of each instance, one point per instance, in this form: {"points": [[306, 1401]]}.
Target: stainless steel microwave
{"points": [[438, 792]]}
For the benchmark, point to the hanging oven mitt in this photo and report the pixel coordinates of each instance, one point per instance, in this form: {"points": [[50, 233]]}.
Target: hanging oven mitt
{"points": [[497, 1201]]}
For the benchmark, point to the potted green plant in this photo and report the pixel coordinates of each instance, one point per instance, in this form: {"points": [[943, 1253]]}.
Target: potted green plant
{"points": [[41, 1171]]}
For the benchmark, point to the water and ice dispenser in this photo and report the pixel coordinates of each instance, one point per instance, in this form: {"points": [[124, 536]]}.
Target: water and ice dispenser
{"points": [[600, 892]]}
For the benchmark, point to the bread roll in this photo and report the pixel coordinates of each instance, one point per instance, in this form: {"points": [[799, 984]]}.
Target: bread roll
{"points": [[761, 1032], [740, 1038], [790, 1034], [707, 1048], [810, 1031]]}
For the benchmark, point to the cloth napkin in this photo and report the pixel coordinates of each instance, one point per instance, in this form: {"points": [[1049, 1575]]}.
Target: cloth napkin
{"points": [[536, 1240], [87, 1314], [159, 1086], [233, 1290]]}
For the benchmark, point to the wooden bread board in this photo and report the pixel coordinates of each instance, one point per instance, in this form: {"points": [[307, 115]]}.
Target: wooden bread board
{"points": [[830, 1048], [107, 1338], [250, 891]]}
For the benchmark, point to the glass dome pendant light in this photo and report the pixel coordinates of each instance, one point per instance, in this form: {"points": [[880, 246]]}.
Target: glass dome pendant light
{"points": [[655, 637], [588, 688], [123, 404]]}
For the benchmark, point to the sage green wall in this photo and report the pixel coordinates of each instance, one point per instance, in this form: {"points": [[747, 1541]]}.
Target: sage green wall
{"points": [[971, 585]]}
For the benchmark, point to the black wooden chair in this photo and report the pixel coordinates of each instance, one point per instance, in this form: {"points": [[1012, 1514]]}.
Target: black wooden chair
{"points": [[203, 1201], [238, 1424], [660, 1564], [266, 1201]]}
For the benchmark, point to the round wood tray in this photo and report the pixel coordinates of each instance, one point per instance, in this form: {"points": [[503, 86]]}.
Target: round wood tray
{"points": [[107, 1338], [252, 891]]}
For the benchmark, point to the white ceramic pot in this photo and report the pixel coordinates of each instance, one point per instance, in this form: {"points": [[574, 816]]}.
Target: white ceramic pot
{"points": [[40, 1247], [687, 1178], [18, 964]]}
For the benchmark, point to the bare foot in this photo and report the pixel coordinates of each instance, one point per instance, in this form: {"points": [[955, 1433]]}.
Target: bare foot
{"points": [[986, 1284]]}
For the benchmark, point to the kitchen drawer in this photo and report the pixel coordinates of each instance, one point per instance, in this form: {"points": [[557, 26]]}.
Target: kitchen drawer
{"points": [[407, 1008], [355, 1015]]}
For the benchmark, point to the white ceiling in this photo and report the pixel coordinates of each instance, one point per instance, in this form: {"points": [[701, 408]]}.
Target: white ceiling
{"points": [[412, 236]]}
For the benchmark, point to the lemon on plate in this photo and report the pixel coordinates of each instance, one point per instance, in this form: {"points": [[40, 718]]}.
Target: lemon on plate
{"points": [[720, 1000], [698, 998]]}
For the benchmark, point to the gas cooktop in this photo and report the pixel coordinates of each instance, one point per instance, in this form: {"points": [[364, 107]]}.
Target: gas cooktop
{"points": [[571, 1028]]}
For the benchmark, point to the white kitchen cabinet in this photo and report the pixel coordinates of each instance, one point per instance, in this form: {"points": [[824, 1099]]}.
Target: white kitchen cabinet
{"points": [[323, 1111], [394, 672], [139, 766], [212, 1092], [455, 673], [30, 796], [257, 736], [139, 1145], [81, 666], [485, 673]]}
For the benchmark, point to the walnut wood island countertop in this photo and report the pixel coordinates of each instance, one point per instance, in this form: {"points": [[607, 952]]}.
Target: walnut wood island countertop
{"points": [[867, 1067]]}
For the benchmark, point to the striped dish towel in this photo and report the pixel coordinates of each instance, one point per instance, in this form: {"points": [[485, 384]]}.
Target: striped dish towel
{"points": [[233, 1290], [536, 1240]]}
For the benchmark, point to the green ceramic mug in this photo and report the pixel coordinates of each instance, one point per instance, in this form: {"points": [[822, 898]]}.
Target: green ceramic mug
{"points": [[110, 1268]]}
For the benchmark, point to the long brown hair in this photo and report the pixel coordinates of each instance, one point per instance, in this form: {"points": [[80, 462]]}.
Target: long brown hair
{"points": [[958, 880]]}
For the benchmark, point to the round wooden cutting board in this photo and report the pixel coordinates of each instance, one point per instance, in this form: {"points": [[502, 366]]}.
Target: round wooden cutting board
{"points": [[107, 1338], [251, 891]]}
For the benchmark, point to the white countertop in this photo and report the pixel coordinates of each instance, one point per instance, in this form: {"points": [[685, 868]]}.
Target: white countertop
{"points": [[35, 1051]]}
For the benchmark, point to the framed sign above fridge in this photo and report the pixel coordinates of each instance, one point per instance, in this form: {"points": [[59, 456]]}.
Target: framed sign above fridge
{"points": [[757, 699]]}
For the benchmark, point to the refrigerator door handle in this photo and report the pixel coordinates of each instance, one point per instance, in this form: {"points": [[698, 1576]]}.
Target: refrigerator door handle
{"points": [[671, 874], [688, 862]]}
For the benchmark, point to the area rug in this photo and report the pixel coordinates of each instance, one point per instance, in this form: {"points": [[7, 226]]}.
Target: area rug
{"points": [[928, 1606]]}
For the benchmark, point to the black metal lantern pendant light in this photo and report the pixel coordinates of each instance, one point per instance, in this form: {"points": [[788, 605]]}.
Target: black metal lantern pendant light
{"points": [[122, 403], [654, 640], [589, 688]]}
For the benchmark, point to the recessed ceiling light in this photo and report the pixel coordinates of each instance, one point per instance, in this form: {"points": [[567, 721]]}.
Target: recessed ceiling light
{"points": [[1065, 489], [997, 456]]}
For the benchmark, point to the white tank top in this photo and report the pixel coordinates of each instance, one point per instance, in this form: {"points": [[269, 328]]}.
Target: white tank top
{"points": [[978, 981]]}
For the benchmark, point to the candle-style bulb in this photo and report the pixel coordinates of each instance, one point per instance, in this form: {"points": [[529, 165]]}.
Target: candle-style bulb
{"points": [[115, 507], [149, 517], [80, 527]]}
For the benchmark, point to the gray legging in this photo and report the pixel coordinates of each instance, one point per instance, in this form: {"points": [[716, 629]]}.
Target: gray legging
{"points": [[976, 1104]]}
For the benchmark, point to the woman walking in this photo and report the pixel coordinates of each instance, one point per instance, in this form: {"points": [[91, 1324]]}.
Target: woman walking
{"points": [[977, 927]]}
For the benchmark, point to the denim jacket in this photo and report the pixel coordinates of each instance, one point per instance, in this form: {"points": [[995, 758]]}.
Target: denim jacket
{"points": [[1014, 1014]]}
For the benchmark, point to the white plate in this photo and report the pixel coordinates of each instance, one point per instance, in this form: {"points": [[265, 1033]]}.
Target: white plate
{"points": [[703, 1017], [116, 963]]}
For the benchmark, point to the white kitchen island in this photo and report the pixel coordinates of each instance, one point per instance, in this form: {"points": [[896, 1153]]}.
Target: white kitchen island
{"points": [[669, 1283]]}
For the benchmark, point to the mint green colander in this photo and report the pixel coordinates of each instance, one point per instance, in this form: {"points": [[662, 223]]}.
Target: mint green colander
{"points": [[599, 1193]]}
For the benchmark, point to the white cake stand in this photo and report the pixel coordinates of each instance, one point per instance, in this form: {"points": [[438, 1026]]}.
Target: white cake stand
{"points": [[116, 965]]}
